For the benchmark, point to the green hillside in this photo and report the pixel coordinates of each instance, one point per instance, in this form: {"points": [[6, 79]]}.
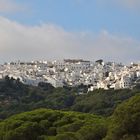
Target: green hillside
{"points": [[121, 108], [125, 121], [46, 124], [16, 97]]}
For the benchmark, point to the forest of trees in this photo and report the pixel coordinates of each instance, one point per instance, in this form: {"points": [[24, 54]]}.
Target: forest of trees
{"points": [[62, 114], [16, 97], [46, 124], [43, 124]]}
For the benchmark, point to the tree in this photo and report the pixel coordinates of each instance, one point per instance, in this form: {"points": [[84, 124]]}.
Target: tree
{"points": [[125, 124]]}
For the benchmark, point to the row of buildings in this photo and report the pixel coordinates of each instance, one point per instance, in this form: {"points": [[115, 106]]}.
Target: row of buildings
{"points": [[73, 72]]}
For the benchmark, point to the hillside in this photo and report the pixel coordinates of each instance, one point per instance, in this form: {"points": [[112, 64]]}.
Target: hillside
{"points": [[121, 106], [47, 124], [16, 98]]}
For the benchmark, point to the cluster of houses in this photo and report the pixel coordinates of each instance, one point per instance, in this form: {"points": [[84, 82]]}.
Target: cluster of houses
{"points": [[74, 72]]}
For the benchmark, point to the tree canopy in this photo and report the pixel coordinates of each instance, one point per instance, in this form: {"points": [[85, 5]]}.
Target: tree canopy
{"points": [[117, 113], [16, 97], [44, 124], [125, 124]]}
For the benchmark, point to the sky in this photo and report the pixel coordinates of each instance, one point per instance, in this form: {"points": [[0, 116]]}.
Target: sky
{"points": [[58, 29]]}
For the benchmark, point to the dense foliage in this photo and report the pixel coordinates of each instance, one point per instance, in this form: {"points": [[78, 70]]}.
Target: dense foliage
{"points": [[43, 124], [102, 102], [47, 124], [125, 121], [16, 97]]}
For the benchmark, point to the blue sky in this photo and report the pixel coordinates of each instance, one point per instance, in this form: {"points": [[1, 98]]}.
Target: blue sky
{"points": [[79, 22], [79, 15]]}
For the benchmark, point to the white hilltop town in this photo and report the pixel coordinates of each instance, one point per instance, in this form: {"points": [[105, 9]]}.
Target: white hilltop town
{"points": [[74, 72]]}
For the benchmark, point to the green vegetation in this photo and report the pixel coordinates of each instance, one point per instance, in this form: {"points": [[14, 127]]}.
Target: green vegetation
{"points": [[117, 113], [47, 124], [125, 121], [102, 102], [43, 124], [16, 97]]}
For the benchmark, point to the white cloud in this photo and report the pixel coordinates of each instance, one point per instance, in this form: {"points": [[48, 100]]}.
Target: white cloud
{"points": [[48, 41], [9, 6]]}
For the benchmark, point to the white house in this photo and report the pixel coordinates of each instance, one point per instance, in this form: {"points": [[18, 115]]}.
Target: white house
{"points": [[125, 82]]}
